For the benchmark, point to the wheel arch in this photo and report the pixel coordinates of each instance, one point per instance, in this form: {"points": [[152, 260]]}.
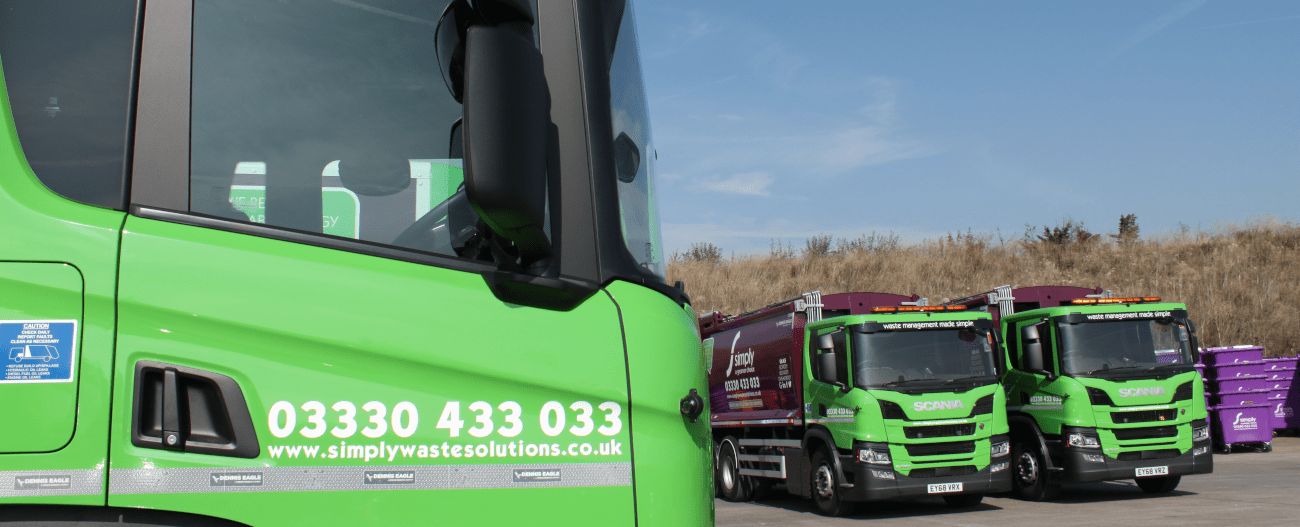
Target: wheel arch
{"points": [[1024, 427], [817, 438]]}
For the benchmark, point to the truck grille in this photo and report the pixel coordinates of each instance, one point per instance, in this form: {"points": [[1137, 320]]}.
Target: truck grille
{"points": [[1125, 434], [926, 432], [1148, 454], [941, 472], [1144, 416], [941, 449]]}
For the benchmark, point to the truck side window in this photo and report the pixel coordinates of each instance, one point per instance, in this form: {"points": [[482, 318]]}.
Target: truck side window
{"points": [[633, 149], [68, 67], [329, 118]]}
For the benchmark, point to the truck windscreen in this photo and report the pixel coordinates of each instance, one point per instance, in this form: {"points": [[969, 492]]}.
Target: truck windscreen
{"points": [[889, 358], [1093, 348]]}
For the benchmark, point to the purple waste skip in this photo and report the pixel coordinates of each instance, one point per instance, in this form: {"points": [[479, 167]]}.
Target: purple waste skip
{"points": [[1243, 398], [1238, 369], [1281, 374], [1243, 424], [1232, 355], [1242, 384], [1282, 363], [1283, 411], [1291, 409]]}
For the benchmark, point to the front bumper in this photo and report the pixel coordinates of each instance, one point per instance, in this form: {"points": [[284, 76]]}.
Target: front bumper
{"points": [[869, 487], [1076, 468]]}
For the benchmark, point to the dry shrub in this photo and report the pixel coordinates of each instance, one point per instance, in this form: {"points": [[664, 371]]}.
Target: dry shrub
{"points": [[1241, 284]]}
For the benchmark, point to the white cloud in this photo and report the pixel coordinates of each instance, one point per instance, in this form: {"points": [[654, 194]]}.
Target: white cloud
{"points": [[744, 184], [860, 147], [1155, 26]]}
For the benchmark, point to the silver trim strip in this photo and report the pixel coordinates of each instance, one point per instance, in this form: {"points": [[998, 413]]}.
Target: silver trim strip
{"points": [[24, 483], [787, 443], [832, 420], [789, 420], [306, 479]]}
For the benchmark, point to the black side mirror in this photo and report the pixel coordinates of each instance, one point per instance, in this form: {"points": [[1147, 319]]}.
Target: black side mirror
{"points": [[627, 158], [491, 63], [1032, 344], [827, 368], [826, 342]]}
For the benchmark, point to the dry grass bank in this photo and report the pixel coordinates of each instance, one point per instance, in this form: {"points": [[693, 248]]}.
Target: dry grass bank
{"points": [[1241, 284]]}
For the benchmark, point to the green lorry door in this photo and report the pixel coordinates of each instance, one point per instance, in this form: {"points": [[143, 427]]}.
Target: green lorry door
{"points": [[357, 371]]}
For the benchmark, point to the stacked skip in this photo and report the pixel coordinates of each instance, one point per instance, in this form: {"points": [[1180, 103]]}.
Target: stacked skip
{"points": [[1284, 395], [1240, 393]]}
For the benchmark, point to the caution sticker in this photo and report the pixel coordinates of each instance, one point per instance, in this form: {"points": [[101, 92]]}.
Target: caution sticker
{"points": [[37, 351]]}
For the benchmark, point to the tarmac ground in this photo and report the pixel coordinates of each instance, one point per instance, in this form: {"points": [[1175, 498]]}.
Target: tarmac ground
{"points": [[1246, 488]]}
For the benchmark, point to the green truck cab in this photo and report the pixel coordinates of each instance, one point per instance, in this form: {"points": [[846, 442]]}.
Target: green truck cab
{"points": [[1099, 388], [881, 399], [338, 263]]}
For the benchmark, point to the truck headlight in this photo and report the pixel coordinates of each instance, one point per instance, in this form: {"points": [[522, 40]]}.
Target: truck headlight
{"points": [[1000, 449], [1200, 433], [1082, 440], [874, 456]]}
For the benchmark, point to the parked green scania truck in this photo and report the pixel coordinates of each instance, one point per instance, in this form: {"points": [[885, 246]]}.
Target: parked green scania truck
{"points": [[1098, 388], [854, 397], [349, 262]]}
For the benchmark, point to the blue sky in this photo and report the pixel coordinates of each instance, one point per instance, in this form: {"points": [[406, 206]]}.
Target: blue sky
{"points": [[778, 120]]}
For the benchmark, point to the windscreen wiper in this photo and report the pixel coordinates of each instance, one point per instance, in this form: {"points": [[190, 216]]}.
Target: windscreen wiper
{"points": [[956, 380], [1117, 368]]}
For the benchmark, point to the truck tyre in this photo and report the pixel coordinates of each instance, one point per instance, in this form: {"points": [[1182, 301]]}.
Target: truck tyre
{"points": [[731, 485], [963, 501], [825, 484], [1159, 485], [1029, 477]]}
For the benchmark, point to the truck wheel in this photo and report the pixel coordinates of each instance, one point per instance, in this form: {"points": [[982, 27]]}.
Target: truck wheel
{"points": [[825, 483], [1159, 485], [731, 485], [1030, 479], [962, 501]]}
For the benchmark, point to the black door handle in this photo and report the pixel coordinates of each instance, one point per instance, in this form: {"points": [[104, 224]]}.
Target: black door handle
{"points": [[171, 411], [692, 405], [191, 410]]}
